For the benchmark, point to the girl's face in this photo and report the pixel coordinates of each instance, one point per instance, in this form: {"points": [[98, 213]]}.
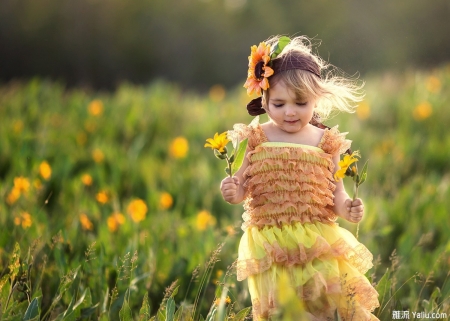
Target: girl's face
{"points": [[287, 111]]}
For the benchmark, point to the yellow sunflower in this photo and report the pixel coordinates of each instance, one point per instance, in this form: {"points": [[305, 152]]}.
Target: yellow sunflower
{"points": [[344, 164], [218, 142], [258, 71]]}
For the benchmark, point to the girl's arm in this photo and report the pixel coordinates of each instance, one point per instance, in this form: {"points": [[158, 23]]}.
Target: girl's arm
{"points": [[344, 206], [232, 188]]}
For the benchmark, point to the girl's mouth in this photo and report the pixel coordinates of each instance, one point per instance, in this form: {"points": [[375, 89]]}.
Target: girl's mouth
{"points": [[291, 121]]}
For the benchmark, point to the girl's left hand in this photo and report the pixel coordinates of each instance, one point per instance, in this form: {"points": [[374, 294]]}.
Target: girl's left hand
{"points": [[355, 210]]}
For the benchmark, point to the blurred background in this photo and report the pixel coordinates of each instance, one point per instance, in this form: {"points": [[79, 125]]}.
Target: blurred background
{"points": [[107, 194], [197, 43]]}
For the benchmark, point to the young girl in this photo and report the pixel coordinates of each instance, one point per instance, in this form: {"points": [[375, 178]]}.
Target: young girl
{"points": [[291, 198]]}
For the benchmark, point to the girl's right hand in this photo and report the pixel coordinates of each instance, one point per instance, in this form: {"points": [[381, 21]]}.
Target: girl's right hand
{"points": [[230, 189]]}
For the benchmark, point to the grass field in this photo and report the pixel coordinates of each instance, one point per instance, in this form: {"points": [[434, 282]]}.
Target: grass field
{"points": [[107, 199]]}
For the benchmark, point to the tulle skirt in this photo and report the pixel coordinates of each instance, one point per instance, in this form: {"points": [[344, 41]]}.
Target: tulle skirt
{"points": [[324, 263]]}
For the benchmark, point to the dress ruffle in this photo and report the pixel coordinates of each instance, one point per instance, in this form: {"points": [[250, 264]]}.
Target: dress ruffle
{"points": [[354, 300], [334, 142], [253, 132], [287, 213], [299, 244], [288, 184], [325, 264]]}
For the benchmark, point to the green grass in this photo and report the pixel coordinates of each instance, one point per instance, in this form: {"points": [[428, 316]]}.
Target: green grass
{"points": [[55, 262]]}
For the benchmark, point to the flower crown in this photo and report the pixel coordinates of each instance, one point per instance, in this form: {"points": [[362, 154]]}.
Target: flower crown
{"points": [[263, 63], [259, 63]]}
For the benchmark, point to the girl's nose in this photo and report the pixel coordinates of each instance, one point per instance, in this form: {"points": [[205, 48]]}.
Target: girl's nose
{"points": [[289, 111]]}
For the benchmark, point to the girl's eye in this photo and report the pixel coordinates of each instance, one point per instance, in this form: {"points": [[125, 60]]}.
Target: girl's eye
{"points": [[278, 105], [302, 104]]}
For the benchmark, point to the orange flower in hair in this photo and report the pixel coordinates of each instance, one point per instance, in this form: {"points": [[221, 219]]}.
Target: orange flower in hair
{"points": [[258, 70]]}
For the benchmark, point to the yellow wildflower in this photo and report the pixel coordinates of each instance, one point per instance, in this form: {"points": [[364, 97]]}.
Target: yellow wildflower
{"points": [[18, 126], [230, 230], [218, 142], [24, 219], [22, 184], [137, 209], [204, 219], [95, 107], [363, 111], [114, 221], [13, 196], [179, 147], [86, 179], [98, 155], [217, 301], [217, 93], [344, 164], [45, 170], [86, 223], [102, 197], [433, 84], [165, 200], [422, 111]]}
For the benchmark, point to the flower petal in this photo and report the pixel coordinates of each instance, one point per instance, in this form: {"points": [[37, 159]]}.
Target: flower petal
{"points": [[264, 84], [268, 71]]}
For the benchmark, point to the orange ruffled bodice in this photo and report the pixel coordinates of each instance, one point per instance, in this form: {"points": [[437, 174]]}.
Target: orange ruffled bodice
{"points": [[288, 182]]}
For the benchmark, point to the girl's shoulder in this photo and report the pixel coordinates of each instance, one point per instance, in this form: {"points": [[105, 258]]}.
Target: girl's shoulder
{"points": [[333, 141]]}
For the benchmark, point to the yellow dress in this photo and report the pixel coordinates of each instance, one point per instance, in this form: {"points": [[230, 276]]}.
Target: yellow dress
{"points": [[289, 228]]}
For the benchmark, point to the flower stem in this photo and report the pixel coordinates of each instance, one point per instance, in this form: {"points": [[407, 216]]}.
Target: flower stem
{"points": [[355, 191], [229, 165], [355, 196]]}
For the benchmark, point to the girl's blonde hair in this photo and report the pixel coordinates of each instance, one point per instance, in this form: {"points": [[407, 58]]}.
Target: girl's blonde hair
{"points": [[333, 93]]}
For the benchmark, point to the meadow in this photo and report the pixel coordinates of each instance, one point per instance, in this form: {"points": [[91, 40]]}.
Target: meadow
{"points": [[110, 206]]}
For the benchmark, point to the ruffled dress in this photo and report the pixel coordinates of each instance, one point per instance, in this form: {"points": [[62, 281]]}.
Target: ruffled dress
{"points": [[290, 229]]}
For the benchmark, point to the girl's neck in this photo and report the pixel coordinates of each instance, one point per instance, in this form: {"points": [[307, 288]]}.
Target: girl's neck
{"points": [[308, 135]]}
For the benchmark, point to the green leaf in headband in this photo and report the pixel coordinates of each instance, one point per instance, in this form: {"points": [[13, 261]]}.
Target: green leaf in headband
{"points": [[278, 48]]}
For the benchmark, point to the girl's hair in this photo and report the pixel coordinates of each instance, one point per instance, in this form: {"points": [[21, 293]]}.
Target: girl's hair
{"points": [[333, 93]]}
